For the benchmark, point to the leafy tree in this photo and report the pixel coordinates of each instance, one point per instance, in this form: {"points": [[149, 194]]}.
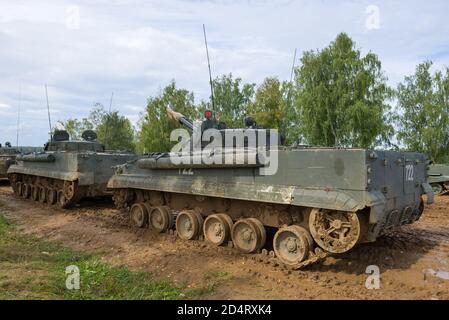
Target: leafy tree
{"points": [[155, 126], [231, 98], [76, 127], [423, 102], [272, 108], [269, 104], [341, 97], [116, 132]]}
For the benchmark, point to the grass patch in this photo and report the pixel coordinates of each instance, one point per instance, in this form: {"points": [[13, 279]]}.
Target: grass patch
{"points": [[32, 268], [212, 281]]}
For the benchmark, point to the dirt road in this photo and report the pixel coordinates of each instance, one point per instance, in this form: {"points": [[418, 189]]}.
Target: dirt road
{"points": [[413, 261]]}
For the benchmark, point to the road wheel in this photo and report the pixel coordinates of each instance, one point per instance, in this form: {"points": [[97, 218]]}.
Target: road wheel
{"points": [[26, 190], [189, 225], [160, 219], [292, 244], [42, 194], [63, 202], [217, 228], [139, 215], [18, 188], [35, 193], [248, 235], [437, 188], [52, 196]]}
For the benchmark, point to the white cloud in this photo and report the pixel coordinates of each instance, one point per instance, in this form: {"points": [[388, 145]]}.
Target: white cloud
{"points": [[133, 48]]}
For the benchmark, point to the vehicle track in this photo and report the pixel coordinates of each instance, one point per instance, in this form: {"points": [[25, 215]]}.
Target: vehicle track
{"points": [[402, 256]]}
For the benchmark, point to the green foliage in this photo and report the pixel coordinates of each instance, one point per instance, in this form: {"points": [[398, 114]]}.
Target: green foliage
{"points": [[114, 131], [76, 127], [272, 108], [269, 105], [423, 101], [155, 126], [232, 99], [341, 97]]}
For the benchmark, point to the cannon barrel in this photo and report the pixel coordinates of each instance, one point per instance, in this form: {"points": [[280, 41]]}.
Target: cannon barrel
{"points": [[240, 159], [36, 157]]}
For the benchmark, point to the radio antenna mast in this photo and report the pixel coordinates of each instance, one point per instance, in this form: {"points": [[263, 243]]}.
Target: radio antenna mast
{"points": [[48, 111], [293, 66], [291, 79], [18, 115], [210, 73], [108, 119]]}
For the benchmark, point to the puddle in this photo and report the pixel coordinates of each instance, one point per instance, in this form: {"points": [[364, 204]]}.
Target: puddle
{"points": [[439, 274]]}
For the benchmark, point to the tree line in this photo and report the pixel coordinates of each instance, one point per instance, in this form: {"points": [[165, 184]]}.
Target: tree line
{"points": [[339, 97]]}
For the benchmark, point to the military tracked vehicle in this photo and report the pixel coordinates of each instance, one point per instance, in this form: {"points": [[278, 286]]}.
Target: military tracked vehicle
{"points": [[7, 158], [439, 178], [66, 171], [319, 201]]}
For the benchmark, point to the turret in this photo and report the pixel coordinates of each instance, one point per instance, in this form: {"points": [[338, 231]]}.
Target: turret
{"points": [[211, 123], [61, 142]]}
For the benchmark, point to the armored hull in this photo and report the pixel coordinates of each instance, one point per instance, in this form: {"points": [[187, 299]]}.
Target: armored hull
{"points": [[7, 158], [65, 172], [318, 202], [439, 178]]}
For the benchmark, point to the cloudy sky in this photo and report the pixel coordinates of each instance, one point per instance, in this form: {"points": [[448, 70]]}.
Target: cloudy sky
{"points": [[84, 50]]}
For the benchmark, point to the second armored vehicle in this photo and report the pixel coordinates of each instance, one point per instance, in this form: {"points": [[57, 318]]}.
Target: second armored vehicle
{"points": [[439, 178], [66, 171], [7, 158], [318, 200]]}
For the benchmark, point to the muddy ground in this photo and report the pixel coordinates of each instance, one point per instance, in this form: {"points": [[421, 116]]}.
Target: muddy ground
{"points": [[409, 258]]}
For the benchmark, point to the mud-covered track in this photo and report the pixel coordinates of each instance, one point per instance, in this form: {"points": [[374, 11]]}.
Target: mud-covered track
{"points": [[95, 226]]}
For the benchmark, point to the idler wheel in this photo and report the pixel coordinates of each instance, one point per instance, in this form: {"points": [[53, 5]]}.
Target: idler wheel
{"points": [[334, 231], [248, 235], [26, 190], [42, 194], [292, 244], [139, 215], [217, 228], [52, 196], [189, 225], [160, 218]]}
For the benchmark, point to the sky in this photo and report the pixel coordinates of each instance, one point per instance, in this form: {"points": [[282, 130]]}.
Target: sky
{"points": [[85, 50]]}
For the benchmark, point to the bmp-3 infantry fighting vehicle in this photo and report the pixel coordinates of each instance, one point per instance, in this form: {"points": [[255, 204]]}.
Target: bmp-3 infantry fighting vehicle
{"points": [[318, 201], [439, 178], [66, 171], [7, 158]]}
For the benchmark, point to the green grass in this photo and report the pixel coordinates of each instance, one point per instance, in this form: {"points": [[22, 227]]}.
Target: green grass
{"points": [[212, 280], [32, 268]]}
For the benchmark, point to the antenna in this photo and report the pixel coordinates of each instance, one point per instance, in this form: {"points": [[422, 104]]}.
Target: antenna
{"points": [[108, 119], [291, 79], [48, 111], [210, 73], [18, 115], [293, 67], [110, 102], [287, 108]]}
